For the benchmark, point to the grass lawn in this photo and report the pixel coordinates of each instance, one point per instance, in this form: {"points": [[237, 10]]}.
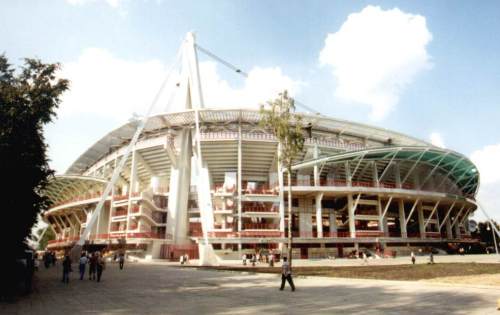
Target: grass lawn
{"points": [[393, 272]]}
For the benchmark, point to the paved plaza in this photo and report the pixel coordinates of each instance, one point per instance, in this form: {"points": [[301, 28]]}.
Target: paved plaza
{"points": [[167, 289]]}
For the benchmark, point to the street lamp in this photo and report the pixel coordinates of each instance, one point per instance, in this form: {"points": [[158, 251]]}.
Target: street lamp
{"points": [[494, 236]]}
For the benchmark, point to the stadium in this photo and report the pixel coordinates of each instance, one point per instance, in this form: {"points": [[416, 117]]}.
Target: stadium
{"points": [[207, 180]]}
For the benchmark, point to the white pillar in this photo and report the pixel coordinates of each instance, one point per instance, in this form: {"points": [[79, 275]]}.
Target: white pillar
{"points": [[305, 218], [402, 218], [449, 233], [351, 217], [316, 170], [319, 215], [333, 222], [240, 177], [421, 220], [180, 175]]}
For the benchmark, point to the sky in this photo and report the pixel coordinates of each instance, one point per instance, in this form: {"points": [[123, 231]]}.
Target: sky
{"points": [[429, 69]]}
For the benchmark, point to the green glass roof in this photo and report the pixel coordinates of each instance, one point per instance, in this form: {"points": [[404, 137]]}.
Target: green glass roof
{"points": [[455, 165]]}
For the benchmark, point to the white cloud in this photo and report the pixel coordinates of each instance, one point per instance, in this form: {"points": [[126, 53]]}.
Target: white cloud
{"points": [[112, 3], [261, 85], [437, 139], [486, 160], [375, 55], [105, 85], [109, 86]]}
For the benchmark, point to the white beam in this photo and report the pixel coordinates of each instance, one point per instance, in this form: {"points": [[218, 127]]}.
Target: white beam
{"points": [[387, 207], [432, 213], [447, 215], [411, 211]]}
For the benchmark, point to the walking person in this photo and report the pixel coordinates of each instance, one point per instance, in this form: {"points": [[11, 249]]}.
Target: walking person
{"points": [[83, 265], [244, 259], [286, 274], [101, 265], [66, 268], [92, 266], [121, 260], [413, 259], [431, 259]]}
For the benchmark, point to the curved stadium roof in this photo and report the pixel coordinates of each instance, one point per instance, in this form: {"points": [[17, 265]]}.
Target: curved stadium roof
{"points": [[123, 134], [456, 166]]}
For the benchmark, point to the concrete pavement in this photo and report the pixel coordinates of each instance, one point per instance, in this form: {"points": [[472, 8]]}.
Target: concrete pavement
{"points": [[162, 289]]}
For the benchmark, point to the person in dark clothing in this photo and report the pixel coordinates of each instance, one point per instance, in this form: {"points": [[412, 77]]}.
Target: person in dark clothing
{"points": [[46, 259], [53, 258], [121, 260], [92, 266], [101, 265], [286, 274], [66, 268]]}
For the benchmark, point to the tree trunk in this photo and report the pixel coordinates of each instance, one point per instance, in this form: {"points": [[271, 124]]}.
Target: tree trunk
{"points": [[290, 217]]}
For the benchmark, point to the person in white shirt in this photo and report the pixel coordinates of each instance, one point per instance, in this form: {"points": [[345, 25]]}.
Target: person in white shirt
{"points": [[286, 274], [83, 264]]}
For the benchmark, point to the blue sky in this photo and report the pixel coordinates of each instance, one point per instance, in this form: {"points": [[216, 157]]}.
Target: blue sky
{"points": [[451, 76]]}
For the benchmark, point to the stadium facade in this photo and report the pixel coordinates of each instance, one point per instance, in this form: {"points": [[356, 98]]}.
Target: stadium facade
{"points": [[201, 179]]}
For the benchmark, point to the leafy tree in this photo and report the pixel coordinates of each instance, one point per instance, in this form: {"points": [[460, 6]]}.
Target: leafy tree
{"points": [[286, 125], [46, 237], [28, 100]]}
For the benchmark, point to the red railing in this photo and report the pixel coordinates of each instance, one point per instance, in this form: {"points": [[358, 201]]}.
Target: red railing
{"points": [[260, 226], [133, 226], [369, 234], [120, 197], [259, 209], [221, 234], [261, 234], [413, 234], [119, 212], [146, 235], [433, 234], [219, 225], [260, 189], [134, 209], [337, 234]]}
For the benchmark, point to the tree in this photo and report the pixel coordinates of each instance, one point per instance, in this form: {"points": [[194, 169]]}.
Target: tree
{"points": [[46, 237], [28, 100], [286, 126]]}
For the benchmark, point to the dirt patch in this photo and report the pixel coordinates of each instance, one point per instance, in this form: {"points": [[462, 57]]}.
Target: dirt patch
{"points": [[483, 279], [394, 272]]}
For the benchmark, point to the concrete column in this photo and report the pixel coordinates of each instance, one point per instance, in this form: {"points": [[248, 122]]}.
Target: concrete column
{"points": [[281, 192], [319, 215], [449, 233], [421, 219], [375, 174], [458, 234], [240, 174], [382, 222], [347, 173], [397, 175], [402, 218], [333, 222], [350, 209], [305, 218], [316, 170], [180, 175]]}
